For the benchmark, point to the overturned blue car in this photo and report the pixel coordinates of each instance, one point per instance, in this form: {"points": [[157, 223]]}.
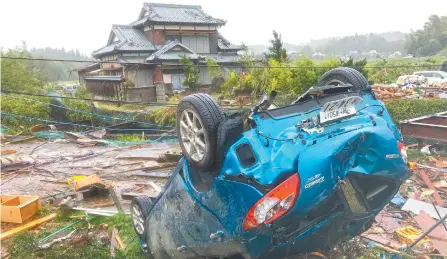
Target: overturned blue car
{"points": [[287, 180]]}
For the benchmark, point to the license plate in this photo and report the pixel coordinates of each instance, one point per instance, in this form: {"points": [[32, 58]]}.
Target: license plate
{"points": [[339, 109]]}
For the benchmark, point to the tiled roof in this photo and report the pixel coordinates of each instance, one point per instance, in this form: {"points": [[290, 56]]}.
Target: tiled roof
{"points": [[164, 54], [129, 39], [224, 44], [172, 13]]}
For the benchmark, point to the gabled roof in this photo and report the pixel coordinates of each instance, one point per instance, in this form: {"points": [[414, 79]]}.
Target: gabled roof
{"points": [[173, 13], [128, 39], [224, 44], [172, 51]]}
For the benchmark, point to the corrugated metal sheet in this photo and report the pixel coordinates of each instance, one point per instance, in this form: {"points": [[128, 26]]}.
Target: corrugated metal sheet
{"points": [[172, 13]]}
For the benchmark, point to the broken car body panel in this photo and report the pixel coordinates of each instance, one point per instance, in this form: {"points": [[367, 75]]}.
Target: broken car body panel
{"points": [[348, 171]]}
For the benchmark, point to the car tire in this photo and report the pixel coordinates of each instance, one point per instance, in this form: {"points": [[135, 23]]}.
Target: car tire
{"points": [[139, 210], [342, 76], [198, 119]]}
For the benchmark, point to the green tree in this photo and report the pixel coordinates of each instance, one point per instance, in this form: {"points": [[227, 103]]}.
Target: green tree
{"points": [[21, 75], [276, 50], [429, 40], [357, 65], [191, 73]]}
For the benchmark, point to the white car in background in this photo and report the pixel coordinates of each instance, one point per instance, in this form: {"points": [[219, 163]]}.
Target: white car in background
{"points": [[433, 77]]}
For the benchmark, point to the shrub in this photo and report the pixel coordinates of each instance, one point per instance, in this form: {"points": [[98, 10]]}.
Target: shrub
{"points": [[406, 109], [25, 108]]}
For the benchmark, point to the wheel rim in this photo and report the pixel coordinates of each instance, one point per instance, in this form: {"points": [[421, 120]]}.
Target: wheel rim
{"points": [[335, 82], [192, 135], [137, 218]]}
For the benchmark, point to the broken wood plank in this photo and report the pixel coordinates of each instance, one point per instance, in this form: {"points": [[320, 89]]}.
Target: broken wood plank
{"points": [[381, 240], [429, 184], [120, 242], [139, 189], [116, 201], [148, 168], [131, 195], [164, 175], [8, 178], [113, 243], [8, 151], [20, 140], [155, 186], [26, 226]]}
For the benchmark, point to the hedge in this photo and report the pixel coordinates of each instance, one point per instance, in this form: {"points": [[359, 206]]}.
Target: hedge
{"points": [[405, 109]]}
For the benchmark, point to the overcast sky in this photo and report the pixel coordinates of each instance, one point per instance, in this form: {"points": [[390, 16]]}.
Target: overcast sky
{"points": [[86, 24]]}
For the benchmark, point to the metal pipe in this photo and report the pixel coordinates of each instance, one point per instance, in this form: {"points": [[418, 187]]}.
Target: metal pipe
{"points": [[430, 167], [429, 230]]}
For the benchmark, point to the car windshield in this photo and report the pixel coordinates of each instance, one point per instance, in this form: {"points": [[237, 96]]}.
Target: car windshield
{"points": [[444, 74]]}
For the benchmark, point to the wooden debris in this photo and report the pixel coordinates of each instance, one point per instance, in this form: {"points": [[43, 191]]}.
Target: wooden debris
{"points": [[381, 240], [8, 178], [88, 182], [438, 236], [155, 186], [18, 208], [113, 243], [387, 222], [119, 241], [139, 189], [131, 195], [26, 226], [429, 184], [20, 140], [8, 151], [116, 201]]}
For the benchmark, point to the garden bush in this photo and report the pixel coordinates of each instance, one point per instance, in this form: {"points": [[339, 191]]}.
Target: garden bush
{"points": [[405, 109]]}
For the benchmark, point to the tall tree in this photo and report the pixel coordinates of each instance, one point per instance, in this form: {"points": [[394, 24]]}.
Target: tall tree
{"points": [[429, 40], [276, 49]]}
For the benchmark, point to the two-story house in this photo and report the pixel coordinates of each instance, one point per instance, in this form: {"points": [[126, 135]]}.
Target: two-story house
{"points": [[148, 50]]}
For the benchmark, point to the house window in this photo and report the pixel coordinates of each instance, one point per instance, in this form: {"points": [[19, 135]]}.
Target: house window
{"points": [[173, 38]]}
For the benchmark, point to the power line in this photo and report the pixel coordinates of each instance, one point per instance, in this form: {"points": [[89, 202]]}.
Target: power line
{"points": [[218, 66], [155, 104], [90, 99]]}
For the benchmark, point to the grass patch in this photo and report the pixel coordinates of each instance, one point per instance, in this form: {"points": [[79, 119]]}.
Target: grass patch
{"points": [[415, 155], [25, 244], [129, 138]]}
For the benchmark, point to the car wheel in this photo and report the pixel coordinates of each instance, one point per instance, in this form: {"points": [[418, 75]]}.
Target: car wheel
{"points": [[139, 209], [198, 119], [343, 76]]}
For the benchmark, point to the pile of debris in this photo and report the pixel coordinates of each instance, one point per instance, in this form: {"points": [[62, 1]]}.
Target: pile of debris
{"points": [[393, 91], [412, 87], [415, 218]]}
